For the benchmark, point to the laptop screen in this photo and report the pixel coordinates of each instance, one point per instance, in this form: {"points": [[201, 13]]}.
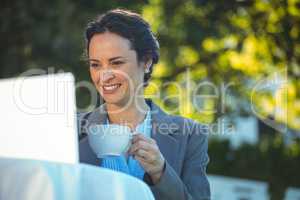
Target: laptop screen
{"points": [[38, 118]]}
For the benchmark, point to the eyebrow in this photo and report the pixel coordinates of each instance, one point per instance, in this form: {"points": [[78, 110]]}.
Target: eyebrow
{"points": [[110, 60]]}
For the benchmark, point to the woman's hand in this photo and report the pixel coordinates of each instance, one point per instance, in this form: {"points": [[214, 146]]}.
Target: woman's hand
{"points": [[146, 151]]}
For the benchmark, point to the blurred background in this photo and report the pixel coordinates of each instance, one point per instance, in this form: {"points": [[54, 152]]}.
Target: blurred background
{"points": [[234, 65]]}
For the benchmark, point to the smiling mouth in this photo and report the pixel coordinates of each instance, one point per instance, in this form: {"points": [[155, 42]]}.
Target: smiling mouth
{"points": [[110, 88]]}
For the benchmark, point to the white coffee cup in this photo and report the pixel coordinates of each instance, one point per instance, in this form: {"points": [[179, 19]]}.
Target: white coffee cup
{"points": [[109, 139]]}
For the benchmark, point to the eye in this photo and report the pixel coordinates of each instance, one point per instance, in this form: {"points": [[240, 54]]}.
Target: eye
{"points": [[94, 65], [117, 62]]}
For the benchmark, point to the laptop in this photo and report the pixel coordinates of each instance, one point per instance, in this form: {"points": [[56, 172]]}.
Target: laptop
{"points": [[38, 118]]}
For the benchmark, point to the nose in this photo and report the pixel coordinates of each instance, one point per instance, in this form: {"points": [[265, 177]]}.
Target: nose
{"points": [[106, 76]]}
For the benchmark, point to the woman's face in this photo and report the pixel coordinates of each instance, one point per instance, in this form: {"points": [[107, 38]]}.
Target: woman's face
{"points": [[114, 68]]}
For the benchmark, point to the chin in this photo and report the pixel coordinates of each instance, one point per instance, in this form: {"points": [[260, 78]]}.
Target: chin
{"points": [[115, 99], [112, 100]]}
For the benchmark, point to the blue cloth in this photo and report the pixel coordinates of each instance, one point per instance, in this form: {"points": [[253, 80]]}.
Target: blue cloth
{"points": [[117, 163], [132, 166]]}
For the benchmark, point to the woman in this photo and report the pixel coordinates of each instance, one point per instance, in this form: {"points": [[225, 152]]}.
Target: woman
{"points": [[170, 152]]}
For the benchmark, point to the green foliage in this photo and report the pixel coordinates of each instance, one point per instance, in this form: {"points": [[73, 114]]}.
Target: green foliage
{"points": [[239, 42]]}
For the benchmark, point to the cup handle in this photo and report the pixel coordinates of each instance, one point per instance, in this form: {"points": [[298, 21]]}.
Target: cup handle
{"points": [[127, 147], [134, 133], [129, 144]]}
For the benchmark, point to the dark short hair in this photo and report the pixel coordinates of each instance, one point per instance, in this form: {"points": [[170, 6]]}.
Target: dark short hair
{"points": [[131, 26]]}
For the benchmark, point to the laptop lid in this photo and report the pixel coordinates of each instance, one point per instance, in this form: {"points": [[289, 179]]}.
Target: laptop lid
{"points": [[38, 118]]}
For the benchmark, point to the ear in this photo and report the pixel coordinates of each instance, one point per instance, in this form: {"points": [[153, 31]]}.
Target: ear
{"points": [[148, 64]]}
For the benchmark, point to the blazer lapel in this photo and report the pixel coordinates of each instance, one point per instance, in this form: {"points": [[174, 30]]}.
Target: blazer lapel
{"points": [[163, 133]]}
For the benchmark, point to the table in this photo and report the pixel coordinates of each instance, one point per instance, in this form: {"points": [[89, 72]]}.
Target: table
{"points": [[36, 180]]}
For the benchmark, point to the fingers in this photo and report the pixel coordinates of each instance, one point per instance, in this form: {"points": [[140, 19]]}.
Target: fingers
{"points": [[144, 148], [139, 136], [141, 142], [145, 155], [140, 145], [142, 161]]}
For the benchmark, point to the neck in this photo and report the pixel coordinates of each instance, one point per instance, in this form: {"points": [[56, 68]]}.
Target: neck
{"points": [[130, 115]]}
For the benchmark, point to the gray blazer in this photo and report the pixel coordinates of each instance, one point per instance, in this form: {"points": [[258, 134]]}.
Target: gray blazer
{"points": [[183, 143]]}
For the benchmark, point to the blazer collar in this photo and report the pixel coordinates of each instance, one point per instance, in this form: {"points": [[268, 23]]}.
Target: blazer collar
{"points": [[160, 120]]}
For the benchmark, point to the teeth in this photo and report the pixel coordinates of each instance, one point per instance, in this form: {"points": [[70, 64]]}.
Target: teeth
{"points": [[111, 87]]}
